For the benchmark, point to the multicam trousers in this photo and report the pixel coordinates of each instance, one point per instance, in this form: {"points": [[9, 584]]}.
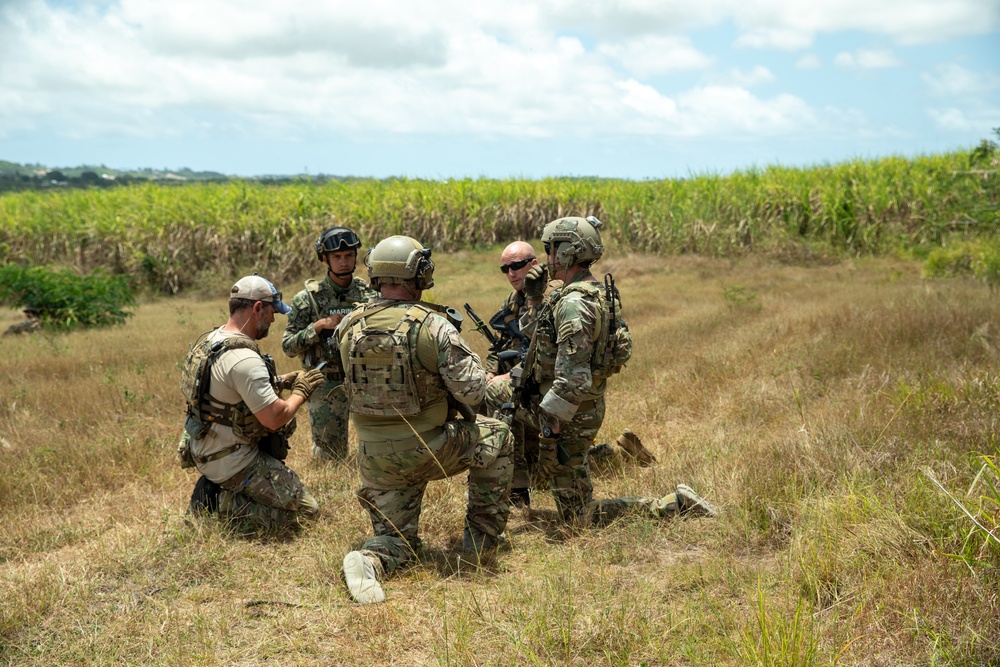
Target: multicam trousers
{"points": [[525, 435], [571, 486], [266, 495], [394, 476], [328, 417]]}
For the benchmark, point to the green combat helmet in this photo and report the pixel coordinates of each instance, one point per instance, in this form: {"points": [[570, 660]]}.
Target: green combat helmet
{"points": [[577, 240], [397, 259]]}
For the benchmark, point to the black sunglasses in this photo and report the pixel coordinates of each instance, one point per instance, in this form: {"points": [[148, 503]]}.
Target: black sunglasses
{"points": [[517, 266]]}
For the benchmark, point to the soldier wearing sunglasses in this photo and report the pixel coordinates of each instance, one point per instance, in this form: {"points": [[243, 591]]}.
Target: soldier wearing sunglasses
{"points": [[316, 312], [515, 261]]}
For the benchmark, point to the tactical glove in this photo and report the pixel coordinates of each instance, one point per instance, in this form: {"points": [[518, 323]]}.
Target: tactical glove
{"points": [[535, 281], [307, 381], [287, 381]]}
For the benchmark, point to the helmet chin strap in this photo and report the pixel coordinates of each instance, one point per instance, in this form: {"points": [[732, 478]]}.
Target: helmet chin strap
{"points": [[341, 275]]}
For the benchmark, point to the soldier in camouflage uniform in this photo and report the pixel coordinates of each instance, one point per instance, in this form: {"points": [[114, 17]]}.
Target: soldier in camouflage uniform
{"points": [[316, 311], [237, 425], [408, 374], [579, 340], [515, 262]]}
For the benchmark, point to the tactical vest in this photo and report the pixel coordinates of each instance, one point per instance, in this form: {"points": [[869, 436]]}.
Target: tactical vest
{"points": [[196, 380], [612, 340], [313, 356], [385, 377]]}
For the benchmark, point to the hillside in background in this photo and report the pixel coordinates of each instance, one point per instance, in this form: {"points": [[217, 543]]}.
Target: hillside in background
{"points": [[15, 176]]}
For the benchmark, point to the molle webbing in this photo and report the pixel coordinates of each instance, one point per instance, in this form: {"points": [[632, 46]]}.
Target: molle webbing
{"points": [[196, 383], [381, 378]]}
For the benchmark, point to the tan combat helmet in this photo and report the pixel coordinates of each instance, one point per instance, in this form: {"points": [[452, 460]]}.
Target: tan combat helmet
{"points": [[397, 259], [577, 240]]}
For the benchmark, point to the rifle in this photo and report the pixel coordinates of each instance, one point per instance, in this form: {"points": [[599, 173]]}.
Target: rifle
{"points": [[611, 294], [482, 328], [522, 383]]}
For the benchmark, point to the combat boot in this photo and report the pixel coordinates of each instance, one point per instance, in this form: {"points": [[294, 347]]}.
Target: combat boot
{"points": [[480, 544], [633, 446], [520, 498], [205, 497], [600, 453], [361, 578], [691, 504]]}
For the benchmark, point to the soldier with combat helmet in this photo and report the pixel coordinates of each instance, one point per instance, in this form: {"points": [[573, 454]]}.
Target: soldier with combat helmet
{"points": [[407, 371], [516, 260], [237, 426], [578, 340], [316, 312]]}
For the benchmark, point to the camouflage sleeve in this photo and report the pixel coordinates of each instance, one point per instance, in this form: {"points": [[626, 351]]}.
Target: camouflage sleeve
{"points": [[460, 367], [300, 336], [360, 292], [575, 318], [492, 363]]}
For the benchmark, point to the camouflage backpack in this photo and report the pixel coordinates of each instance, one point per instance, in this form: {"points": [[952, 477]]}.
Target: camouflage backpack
{"points": [[613, 343], [615, 348]]}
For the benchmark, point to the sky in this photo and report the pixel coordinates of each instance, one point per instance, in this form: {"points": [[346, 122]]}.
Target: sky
{"points": [[440, 89]]}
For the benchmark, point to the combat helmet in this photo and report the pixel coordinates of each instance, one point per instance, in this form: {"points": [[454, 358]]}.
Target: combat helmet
{"points": [[334, 239], [397, 259], [577, 240]]}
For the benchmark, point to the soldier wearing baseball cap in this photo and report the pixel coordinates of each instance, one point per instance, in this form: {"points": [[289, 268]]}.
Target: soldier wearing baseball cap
{"points": [[237, 426]]}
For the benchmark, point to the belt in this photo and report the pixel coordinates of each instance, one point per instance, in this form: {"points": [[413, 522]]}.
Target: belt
{"points": [[386, 447], [217, 455]]}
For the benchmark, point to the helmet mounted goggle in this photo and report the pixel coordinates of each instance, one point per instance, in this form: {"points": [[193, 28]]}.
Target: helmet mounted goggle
{"points": [[337, 238]]}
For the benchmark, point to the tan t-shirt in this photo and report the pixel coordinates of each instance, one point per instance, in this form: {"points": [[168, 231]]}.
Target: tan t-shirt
{"points": [[237, 375]]}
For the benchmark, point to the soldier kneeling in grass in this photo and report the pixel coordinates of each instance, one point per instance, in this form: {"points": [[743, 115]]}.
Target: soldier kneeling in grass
{"points": [[237, 426]]}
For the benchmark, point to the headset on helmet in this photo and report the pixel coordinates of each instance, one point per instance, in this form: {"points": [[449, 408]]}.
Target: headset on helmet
{"points": [[577, 240], [334, 239], [397, 259]]}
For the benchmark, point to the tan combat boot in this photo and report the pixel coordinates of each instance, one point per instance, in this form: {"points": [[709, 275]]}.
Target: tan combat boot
{"points": [[633, 446], [361, 576]]}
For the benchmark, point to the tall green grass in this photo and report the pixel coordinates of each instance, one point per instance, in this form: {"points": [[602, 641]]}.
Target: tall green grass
{"points": [[167, 235]]}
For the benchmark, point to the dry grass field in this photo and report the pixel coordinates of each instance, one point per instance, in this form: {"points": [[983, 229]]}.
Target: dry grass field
{"points": [[825, 409]]}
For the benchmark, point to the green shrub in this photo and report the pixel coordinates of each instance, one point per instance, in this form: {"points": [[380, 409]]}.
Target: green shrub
{"points": [[979, 259], [63, 300]]}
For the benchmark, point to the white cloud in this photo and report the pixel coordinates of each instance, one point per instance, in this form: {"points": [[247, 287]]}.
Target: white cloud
{"points": [[747, 79], [809, 61], [975, 121], [956, 81], [792, 24], [713, 110], [653, 55], [510, 68], [780, 24], [867, 59]]}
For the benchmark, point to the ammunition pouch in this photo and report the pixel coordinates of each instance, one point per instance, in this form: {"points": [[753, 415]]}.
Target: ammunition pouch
{"points": [[184, 457], [195, 429], [275, 445]]}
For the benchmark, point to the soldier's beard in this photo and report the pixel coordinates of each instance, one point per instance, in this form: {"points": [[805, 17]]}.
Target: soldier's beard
{"points": [[262, 329]]}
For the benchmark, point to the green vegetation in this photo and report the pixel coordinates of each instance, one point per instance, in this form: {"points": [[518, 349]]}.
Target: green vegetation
{"points": [[979, 259], [167, 236], [63, 300]]}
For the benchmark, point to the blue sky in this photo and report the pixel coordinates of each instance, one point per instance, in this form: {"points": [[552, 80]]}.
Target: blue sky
{"points": [[450, 89]]}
